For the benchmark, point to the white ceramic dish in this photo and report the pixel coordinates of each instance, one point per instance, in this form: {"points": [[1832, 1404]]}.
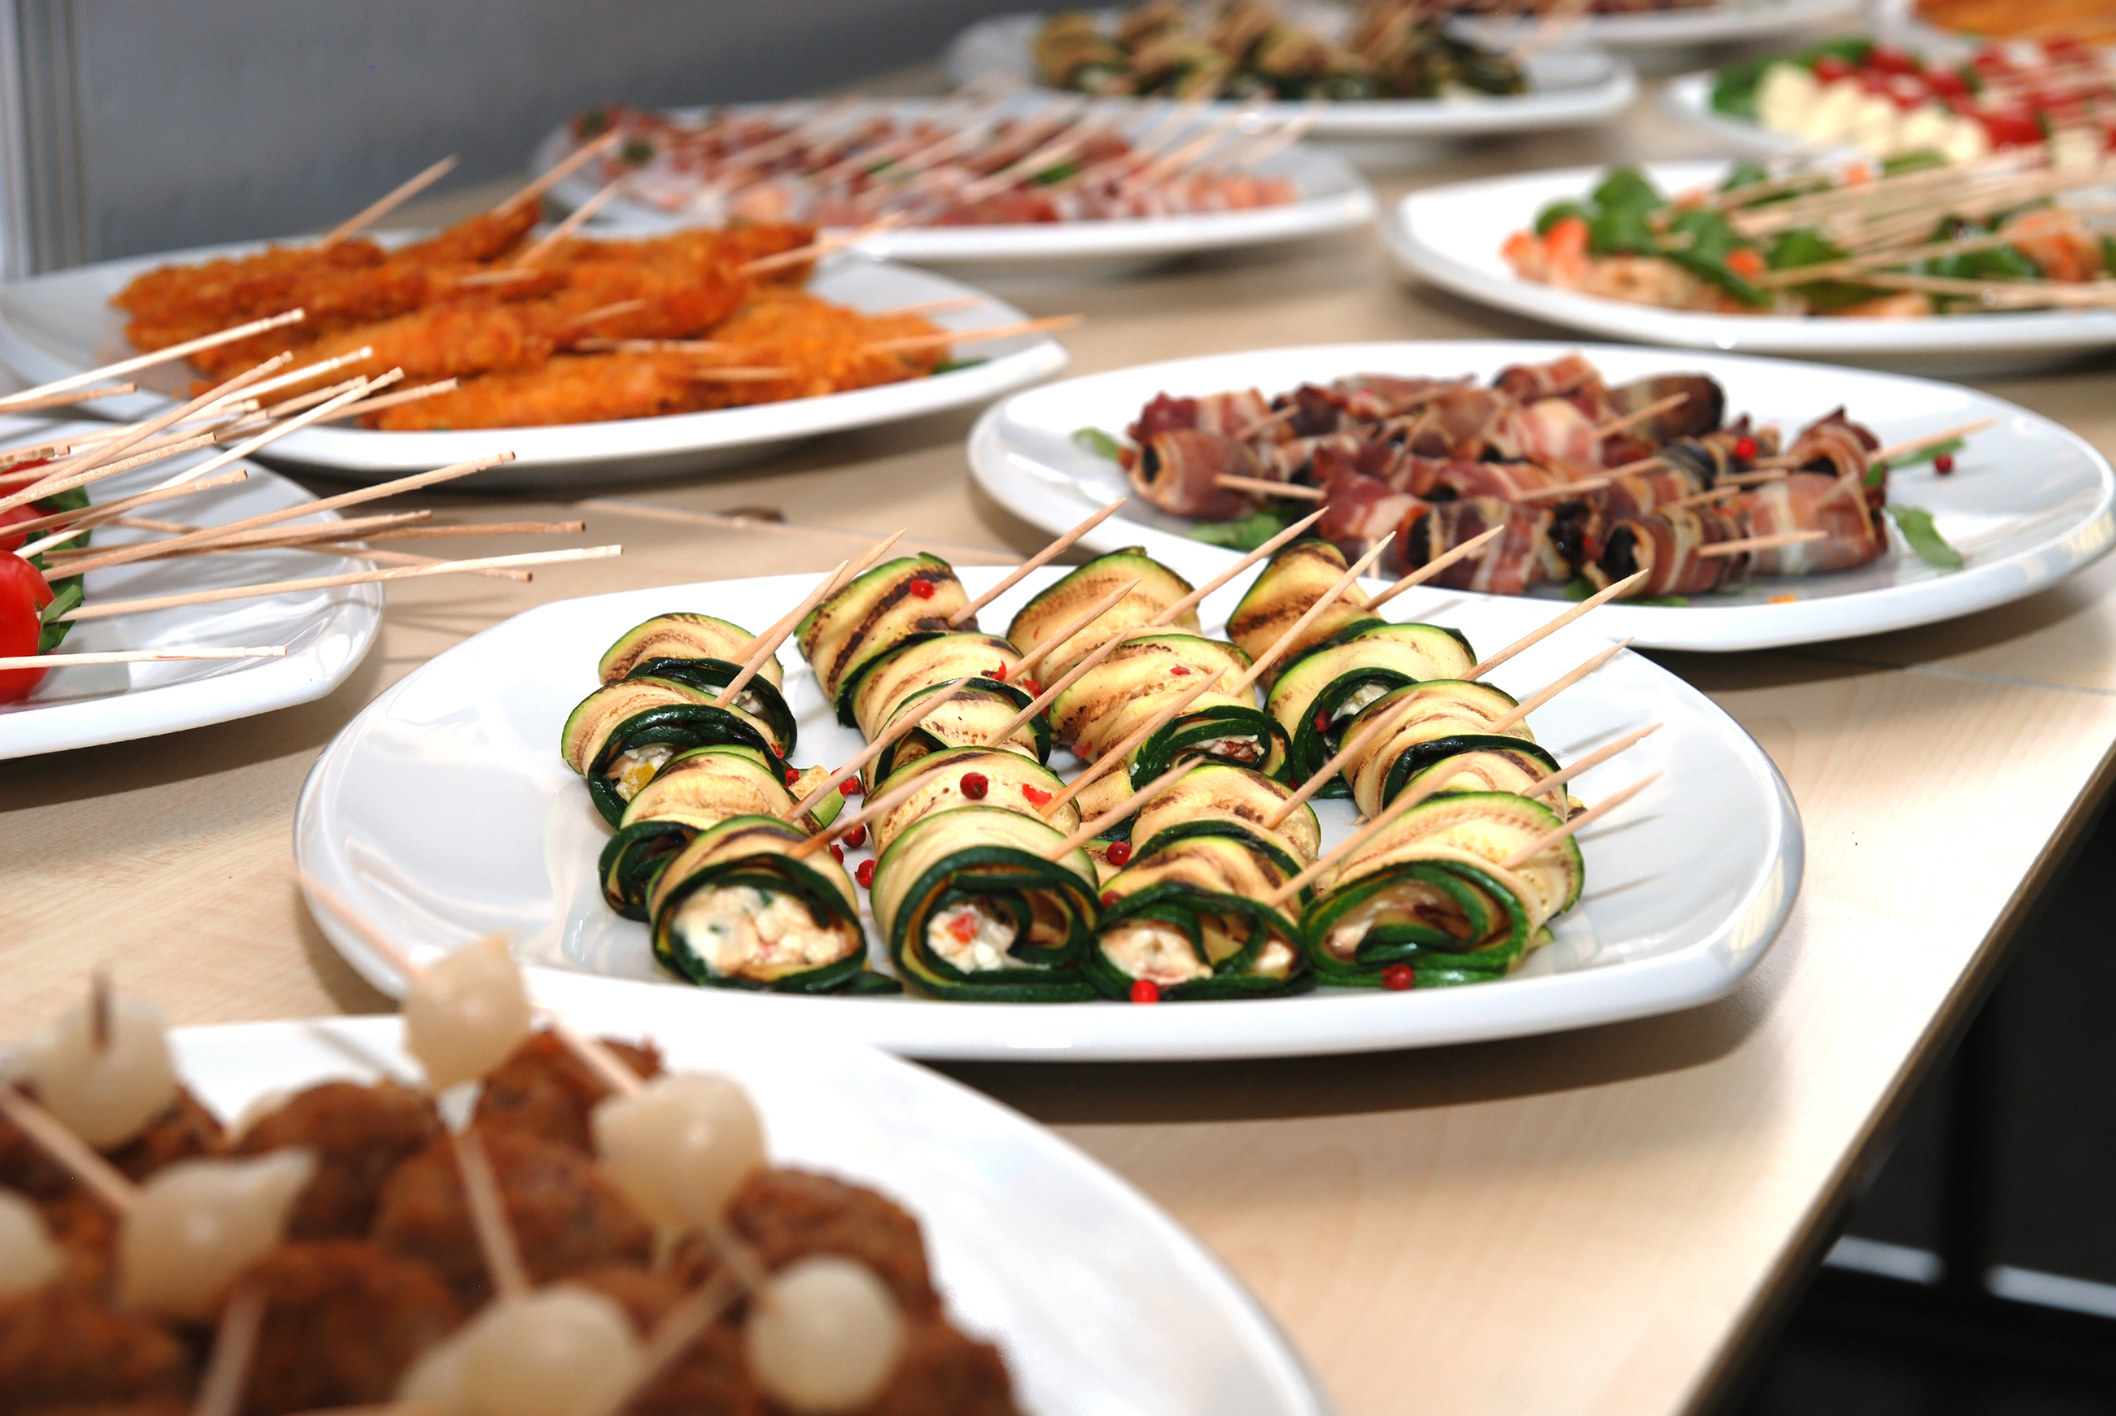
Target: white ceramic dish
{"points": [[2028, 504], [1099, 1301], [1332, 198], [327, 632], [1568, 86], [1688, 97], [1729, 22], [443, 812], [60, 324], [1451, 235]]}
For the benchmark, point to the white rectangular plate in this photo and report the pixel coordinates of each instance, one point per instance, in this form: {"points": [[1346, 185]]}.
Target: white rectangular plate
{"points": [[2028, 503], [444, 812]]}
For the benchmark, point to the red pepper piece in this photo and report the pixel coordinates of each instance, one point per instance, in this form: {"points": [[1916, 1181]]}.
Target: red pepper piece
{"points": [[1118, 853], [1398, 977]]}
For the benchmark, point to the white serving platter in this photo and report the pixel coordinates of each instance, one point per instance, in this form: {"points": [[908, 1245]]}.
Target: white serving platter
{"points": [[444, 812], [1099, 1301], [1653, 31], [1332, 198], [327, 632], [55, 325], [1568, 86], [2028, 504], [1451, 235]]}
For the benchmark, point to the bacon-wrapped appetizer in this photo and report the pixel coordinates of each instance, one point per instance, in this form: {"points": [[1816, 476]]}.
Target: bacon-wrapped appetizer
{"points": [[971, 908], [1187, 917], [1430, 894], [620, 735], [735, 909], [881, 610], [1065, 599]]}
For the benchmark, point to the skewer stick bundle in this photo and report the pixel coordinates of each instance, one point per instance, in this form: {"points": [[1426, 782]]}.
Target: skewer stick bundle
{"points": [[171, 354], [115, 510], [1056, 548], [1578, 823]]}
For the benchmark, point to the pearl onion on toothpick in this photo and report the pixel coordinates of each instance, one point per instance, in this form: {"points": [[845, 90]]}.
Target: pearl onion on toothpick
{"points": [[198, 1223], [824, 1335], [560, 1351], [466, 1014], [103, 1068], [28, 1257], [680, 1147]]}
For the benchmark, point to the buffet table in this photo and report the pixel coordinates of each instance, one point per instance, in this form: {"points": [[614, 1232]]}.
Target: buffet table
{"points": [[1597, 1221]]}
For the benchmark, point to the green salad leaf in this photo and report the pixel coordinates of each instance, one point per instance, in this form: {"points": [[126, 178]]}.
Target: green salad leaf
{"points": [[1243, 535], [1098, 442], [1924, 538]]}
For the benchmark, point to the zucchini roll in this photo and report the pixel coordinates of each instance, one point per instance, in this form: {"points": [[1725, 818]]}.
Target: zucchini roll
{"points": [[681, 636], [1446, 710], [620, 735], [899, 600], [1065, 599], [971, 909], [694, 791], [878, 690], [1284, 590], [971, 719], [1141, 674], [736, 910], [1237, 798], [1429, 894], [967, 776], [1189, 918], [1325, 688]]}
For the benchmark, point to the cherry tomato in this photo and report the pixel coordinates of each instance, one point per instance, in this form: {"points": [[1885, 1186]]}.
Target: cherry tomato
{"points": [[1829, 68], [1889, 60], [2013, 128], [12, 540], [23, 592]]}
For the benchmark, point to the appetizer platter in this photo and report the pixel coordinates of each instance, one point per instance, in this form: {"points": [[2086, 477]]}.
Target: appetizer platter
{"points": [[2021, 502], [889, 837], [972, 178], [1861, 276], [478, 1207], [648, 355], [1409, 79], [1890, 102]]}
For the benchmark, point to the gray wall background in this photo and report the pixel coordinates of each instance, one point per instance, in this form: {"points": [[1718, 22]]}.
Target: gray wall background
{"points": [[149, 125]]}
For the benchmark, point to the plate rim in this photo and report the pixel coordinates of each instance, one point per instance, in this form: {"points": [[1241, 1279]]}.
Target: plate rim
{"points": [[1718, 628], [1701, 971]]}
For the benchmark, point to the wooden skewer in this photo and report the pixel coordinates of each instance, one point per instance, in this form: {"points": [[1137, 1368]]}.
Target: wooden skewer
{"points": [[570, 225], [872, 750], [1032, 660], [111, 1185], [580, 157], [816, 250], [1943, 435], [308, 372], [1109, 818], [1564, 489], [840, 575], [766, 646], [942, 339], [72, 396], [1755, 479], [1592, 760], [1643, 464], [1049, 696], [1434, 566], [389, 400], [1557, 622], [672, 1334], [785, 624], [1760, 543], [488, 1217], [653, 511], [270, 536], [1197, 597], [1585, 819], [281, 429], [121, 554], [136, 656], [1719, 493], [172, 448], [1386, 818], [1292, 491], [117, 508], [603, 312], [11, 402], [220, 1390], [1114, 757], [1555, 687], [1043, 557], [106, 609], [1640, 415], [388, 202], [720, 373], [1294, 631], [880, 806], [1248, 431]]}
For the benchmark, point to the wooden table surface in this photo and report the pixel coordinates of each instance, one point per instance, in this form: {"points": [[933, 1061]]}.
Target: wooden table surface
{"points": [[1599, 1221]]}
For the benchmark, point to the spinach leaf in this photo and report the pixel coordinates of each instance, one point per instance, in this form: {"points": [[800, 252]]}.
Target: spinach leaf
{"points": [[1931, 547], [1627, 187], [1243, 535], [1098, 442]]}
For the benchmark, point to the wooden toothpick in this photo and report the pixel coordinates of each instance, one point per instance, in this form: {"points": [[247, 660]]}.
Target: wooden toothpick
{"points": [[1434, 566], [1109, 818], [170, 354], [1049, 696], [1197, 597], [1063, 635], [1592, 760], [388, 202], [1294, 631], [1555, 623], [903, 724], [1115, 757], [1056, 548], [766, 645], [1292, 491], [1585, 819], [1761, 543], [1557, 686], [1639, 415]]}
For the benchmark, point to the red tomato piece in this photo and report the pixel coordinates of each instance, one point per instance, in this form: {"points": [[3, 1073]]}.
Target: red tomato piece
{"points": [[1829, 68], [23, 592], [1889, 60]]}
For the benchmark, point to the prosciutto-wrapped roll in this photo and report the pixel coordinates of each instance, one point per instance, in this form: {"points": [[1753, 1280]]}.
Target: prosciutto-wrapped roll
{"points": [[1188, 917], [1429, 894], [971, 909], [620, 735], [735, 910], [1179, 472], [1666, 545]]}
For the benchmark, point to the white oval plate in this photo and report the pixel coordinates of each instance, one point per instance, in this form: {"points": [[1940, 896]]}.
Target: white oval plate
{"points": [[1451, 235], [60, 324], [327, 632], [1332, 198], [2028, 503], [443, 812], [1098, 1300], [1568, 86]]}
